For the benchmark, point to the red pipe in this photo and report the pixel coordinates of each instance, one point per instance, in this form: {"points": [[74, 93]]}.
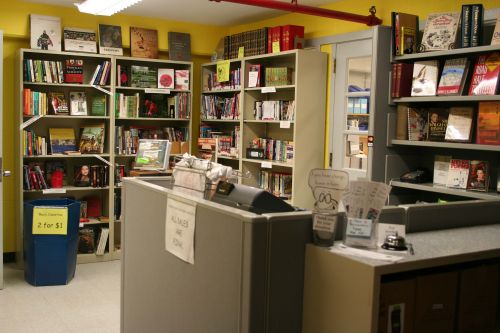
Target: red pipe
{"points": [[369, 20]]}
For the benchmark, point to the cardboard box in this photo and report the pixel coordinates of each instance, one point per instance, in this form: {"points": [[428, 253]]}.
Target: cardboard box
{"points": [[478, 299], [396, 306], [435, 302], [179, 147]]}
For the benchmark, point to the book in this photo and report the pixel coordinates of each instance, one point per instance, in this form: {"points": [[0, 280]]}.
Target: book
{"points": [[495, 38], [458, 173], [440, 32], [441, 167], [103, 239], [78, 103], [82, 176], [425, 76], [465, 21], [86, 240], [92, 139], [479, 176], [98, 106], [166, 78], [73, 71], [144, 42], [485, 77], [254, 75], [83, 210], [402, 122], [459, 127], [94, 207], [404, 22], [453, 76], [123, 76], [152, 154], [182, 79], [58, 103], [476, 26], [45, 32], [179, 46], [488, 123], [143, 77], [438, 120], [273, 37], [80, 40], [110, 39], [417, 124], [403, 80], [292, 37], [62, 140]]}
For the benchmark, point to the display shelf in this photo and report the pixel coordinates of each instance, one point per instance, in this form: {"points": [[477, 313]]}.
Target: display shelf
{"points": [[50, 116], [69, 189], [358, 114], [429, 187], [447, 99], [356, 132], [220, 120], [220, 91], [273, 163], [448, 53], [65, 156], [153, 119], [267, 121], [286, 87], [70, 85], [358, 94], [92, 221], [155, 90], [450, 145], [227, 157]]}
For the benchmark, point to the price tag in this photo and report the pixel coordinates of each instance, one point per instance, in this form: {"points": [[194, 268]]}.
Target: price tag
{"points": [[276, 47], [359, 228], [266, 165], [241, 52], [157, 91], [266, 90], [54, 190], [284, 124], [223, 71], [50, 221]]}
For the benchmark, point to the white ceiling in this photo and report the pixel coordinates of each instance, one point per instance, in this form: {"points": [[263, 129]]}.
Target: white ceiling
{"points": [[197, 11]]}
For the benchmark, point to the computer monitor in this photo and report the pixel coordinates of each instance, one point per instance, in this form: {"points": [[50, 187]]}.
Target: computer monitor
{"points": [[152, 154], [249, 198]]}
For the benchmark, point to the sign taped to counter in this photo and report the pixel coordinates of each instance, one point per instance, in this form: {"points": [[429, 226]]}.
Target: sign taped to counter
{"points": [[179, 229]]}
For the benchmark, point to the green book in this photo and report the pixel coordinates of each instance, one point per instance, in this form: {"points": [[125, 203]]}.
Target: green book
{"points": [[99, 106]]}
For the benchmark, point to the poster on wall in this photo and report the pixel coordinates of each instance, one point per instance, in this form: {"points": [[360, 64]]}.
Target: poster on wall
{"points": [[80, 40], [45, 32], [144, 43], [110, 39]]}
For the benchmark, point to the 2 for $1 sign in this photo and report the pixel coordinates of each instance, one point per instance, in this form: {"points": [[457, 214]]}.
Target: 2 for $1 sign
{"points": [[50, 221]]}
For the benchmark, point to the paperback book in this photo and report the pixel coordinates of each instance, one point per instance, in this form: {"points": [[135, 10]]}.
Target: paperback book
{"points": [[73, 71], [488, 123], [417, 124], [438, 120], [62, 140], [179, 46], [458, 174], [479, 176], [98, 106], [45, 32], [459, 127], [110, 39], [425, 76], [495, 39], [92, 139], [58, 103], [144, 42], [182, 79], [485, 77], [453, 77], [80, 40], [78, 104], [440, 32], [441, 167], [166, 78], [404, 22]]}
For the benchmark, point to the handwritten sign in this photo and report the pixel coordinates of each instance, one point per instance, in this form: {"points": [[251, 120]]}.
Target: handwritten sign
{"points": [[50, 221], [54, 191], [359, 228], [284, 124], [179, 229], [276, 47], [223, 71], [241, 52], [266, 165], [328, 187], [385, 229], [266, 90], [324, 222]]}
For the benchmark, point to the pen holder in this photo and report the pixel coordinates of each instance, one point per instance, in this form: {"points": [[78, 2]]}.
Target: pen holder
{"points": [[324, 225]]}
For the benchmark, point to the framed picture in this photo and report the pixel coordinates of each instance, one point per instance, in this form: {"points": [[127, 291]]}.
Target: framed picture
{"points": [[45, 32], [80, 40], [144, 43], [110, 39]]}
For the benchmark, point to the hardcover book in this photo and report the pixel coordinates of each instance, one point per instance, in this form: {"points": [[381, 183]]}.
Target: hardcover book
{"points": [[58, 103], [488, 123], [402, 80], [440, 32], [441, 167], [73, 71], [86, 240], [92, 139], [453, 77], [45, 32], [438, 120], [465, 23], [417, 124], [254, 75], [402, 122], [410, 23], [292, 37], [143, 77], [479, 176], [495, 39], [166, 78], [179, 46], [425, 76], [476, 29], [98, 106], [485, 77], [62, 140], [80, 40], [458, 174], [182, 79], [78, 104], [82, 176], [459, 125], [144, 43], [110, 39]]}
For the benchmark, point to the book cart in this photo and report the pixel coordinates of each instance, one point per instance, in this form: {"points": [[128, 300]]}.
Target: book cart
{"points": [[103, 199]]}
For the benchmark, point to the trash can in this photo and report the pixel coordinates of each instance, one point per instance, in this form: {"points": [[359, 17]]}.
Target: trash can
{"points": [[50, 241]]}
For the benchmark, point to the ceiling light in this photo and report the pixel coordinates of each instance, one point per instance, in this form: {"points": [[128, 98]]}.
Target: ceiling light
{"points": [[104, 7]]}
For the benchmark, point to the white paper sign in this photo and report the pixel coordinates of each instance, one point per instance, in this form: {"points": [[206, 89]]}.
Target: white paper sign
{"points": [[284, 124], [266, 165], [324, 222], [54, 190], [179, 229], [359, 228], [156, 91], [385, 229], [266, 90]]}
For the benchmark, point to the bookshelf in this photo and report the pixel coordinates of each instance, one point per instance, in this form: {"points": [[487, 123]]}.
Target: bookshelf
{"points": [[304, 132], [407, 155], [108, 193]]}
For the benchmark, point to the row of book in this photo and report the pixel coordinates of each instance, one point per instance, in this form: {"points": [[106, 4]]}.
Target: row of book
{"points": [[101, 74], [421, 78], [36, 103], [151, 77], [278, 76], [229, 145], [226, 143], [455, 124], [274, 110], [33, 178], [276, 150], [277, 183], [461, 174], [127, 139], [153, 106], [33, 144], [211, 83], [44, 71], [219, 107]]}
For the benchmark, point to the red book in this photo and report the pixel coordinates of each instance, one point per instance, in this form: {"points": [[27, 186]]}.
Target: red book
{"points": [[488, 123], [274, 35], [393, 80], [404, 77], [94, 207], [73, 72], [485, 77], [292, 37], [26, 101]]}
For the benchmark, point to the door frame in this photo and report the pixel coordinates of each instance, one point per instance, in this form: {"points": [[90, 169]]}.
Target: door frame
{"points": [[1, 159]]}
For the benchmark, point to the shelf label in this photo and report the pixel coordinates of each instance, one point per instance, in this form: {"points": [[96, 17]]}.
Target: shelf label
{"points": [[157, 91], [179, 229], [50, 221], [284, 124], [54, 190], [241, 52], [29, 122], [266, 90], [266, 165], [276, 46], [223, 71]]}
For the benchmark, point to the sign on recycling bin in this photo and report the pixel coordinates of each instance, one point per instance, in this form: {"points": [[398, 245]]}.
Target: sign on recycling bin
{"points": [[50, 220]]}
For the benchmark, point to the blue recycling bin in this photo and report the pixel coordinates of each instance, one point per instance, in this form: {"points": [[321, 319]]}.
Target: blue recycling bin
{"points": [[50, 249]]}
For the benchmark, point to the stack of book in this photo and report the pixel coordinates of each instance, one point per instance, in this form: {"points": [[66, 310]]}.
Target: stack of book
{"points": [[211, 83], [34, 103], [126, 106], [274, 110], [278, 76], [277, 183], [101, 74], [34, 177], [276, 150], [286, 37], [254, 43], [218, 107], [33, 144]]}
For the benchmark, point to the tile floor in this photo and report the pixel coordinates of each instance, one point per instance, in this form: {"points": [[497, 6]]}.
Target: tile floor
{"points": [[90, 303]]}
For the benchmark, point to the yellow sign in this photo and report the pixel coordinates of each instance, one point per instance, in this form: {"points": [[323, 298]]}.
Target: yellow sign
{"points": [[276, 47], [223, 71], [50, 221], [241, 52]]}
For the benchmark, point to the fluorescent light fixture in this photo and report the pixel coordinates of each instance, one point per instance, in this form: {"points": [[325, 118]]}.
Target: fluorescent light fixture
{"points": [[104, 7]]}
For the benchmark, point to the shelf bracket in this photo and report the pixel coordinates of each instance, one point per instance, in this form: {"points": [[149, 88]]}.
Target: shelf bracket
{"points": [[29, 122], [103, 160], [102, 89]]}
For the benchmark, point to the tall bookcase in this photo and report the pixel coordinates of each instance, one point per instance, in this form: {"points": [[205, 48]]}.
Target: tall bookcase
{"points": [[108, 197], [407, 155], [307, 88]]}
